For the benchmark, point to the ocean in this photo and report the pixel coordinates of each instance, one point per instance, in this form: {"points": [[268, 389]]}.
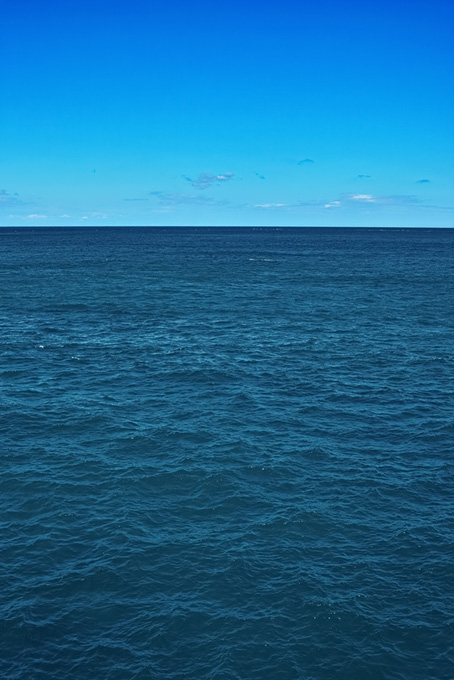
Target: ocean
{"points": [[226, 454]]}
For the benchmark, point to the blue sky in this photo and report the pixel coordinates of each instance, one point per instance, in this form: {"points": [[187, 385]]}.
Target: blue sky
{"points": [[240, 113]]}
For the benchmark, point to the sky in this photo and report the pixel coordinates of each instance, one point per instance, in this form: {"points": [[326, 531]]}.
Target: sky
{"points": [[236, 113]]}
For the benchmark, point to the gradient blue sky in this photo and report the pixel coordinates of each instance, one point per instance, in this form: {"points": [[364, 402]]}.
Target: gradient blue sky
{"points": [[227, 113]]}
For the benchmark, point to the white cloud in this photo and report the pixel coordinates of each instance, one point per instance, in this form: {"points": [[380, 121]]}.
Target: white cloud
{"points": [[205, 179], [392, 199], [397, 200], [368, 198], [33, 216], [270, 205], [168, 199]]}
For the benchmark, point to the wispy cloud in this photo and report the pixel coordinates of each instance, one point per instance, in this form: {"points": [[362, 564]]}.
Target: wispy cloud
{"points": [[205, 179], [389, 199], [270, 205], [345, 201], [287, 206], [396, 199], [365, 198], [305, 161], [8, 200], [95, 215], [169, 199], [423, 181], [34, 216], [363, 176]]}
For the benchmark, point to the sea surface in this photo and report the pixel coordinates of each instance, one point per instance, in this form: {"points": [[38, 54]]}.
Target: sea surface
{"points": [[226, 454]]}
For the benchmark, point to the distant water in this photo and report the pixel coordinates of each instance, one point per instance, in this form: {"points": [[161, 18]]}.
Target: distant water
{"points": [[227, 454]]}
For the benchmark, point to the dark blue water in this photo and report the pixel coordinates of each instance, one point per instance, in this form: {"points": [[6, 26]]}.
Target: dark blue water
{"points": [[226, 454]]}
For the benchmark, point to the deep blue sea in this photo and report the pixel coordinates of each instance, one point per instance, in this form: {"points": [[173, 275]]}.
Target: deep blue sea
{"points": [[227, 454]]}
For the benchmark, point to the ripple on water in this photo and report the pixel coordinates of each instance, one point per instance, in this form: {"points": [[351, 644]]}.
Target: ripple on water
{"points": [[227, 454]]}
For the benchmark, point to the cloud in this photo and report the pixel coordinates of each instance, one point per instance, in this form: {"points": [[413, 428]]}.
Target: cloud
{"points": [[8, 200], [289, 206], [168, 199], [349, 200], [36, 217], [423, 181], [365, 198], [270, 205], [363, 176], [305, 160], [205, 179], [93, 216], [391, 199]]}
